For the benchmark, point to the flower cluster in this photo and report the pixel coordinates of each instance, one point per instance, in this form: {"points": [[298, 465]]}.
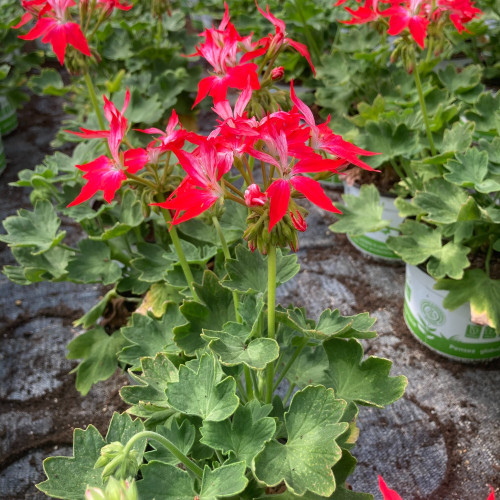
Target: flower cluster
{"points": [[288, 144], [414, 15], [54, 25]]}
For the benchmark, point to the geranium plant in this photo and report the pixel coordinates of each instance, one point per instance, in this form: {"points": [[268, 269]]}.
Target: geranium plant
{"points": [[235, 396]]}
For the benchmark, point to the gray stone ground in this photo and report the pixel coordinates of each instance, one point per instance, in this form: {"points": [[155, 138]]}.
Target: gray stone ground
{"points": [[441, 441]]}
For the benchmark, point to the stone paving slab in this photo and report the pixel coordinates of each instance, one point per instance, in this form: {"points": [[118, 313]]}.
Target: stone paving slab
{"points": [[439, 442]]}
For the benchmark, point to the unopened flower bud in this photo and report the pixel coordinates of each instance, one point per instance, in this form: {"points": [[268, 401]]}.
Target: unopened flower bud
{"points": [[277, 73], [254, 196], [114, 461], [115, 490], [298, 221]]}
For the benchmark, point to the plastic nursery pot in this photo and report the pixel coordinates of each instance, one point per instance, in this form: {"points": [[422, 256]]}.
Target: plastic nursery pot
{"points": [[8, 116], [449, 333], [3, 161], [374, 243]]}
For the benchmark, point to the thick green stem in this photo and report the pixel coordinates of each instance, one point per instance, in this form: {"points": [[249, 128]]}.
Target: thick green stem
{"points": [[488, 257], [423, 107], [170, 447], [291, 361], [180, 253], [93, 98], [289, 393], [271, 313]]}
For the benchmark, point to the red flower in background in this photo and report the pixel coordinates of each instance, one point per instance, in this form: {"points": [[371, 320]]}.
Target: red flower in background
{"points": [[53, 28], [274, 42]]}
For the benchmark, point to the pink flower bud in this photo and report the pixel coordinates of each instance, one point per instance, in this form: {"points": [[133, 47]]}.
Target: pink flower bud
{"points": [[298, 221], [254, 196], [277, 73]]}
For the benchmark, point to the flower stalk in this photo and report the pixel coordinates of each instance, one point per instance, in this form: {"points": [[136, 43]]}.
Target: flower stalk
{"points": [[271, 314]]}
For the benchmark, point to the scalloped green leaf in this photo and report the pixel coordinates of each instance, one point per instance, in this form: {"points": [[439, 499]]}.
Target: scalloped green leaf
{"points": [[48, 82], [99, 352], [245, 434], [364, 382], [68, 477], [150, 386], [360, 214], [148, 335], [305, 462], [232, 348], [216, 309], [470, 170], [154, 262], [225, 481], [330, 324], [480, 290], [441, 209], [37, 229], [247, 273], [485, 112], [93, 264], [49, 265], [161, 481], [460, 80], [419, 243], [201, 392]]}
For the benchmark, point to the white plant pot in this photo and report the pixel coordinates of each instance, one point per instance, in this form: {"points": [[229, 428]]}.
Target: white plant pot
{"points": [[449, 333], [3, 160], [374, 244], [8, 116]]}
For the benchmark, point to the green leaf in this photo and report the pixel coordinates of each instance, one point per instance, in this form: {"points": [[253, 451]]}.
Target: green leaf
{"points": [[92, 316], [48, 82], [360, 214], [244, 435], [182, 436], [68, 477], [231, 346], [390, 142], [150, 387], [470, 170], [458, 138], [99, 352], [248, 272], [93, 264], [202, 393], [149, 336], [161, 481], [485, 112], [157, 298], [420, 242], [141, 109], [480, 290], [309, 368], [130, 216], [460, 80], [441, 209], [225, 481], [215, 310], [37, 229], [305, 461], [364, 382], [50, 265], [330, 324], [153, 263]]}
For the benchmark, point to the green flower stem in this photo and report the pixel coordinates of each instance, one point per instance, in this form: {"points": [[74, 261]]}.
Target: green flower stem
{"points": [[67, 247], [93, 98], [271, 313], [180, 253], [421, 97], [170, 447], [291, 361], [241, 390], [488, 256], [141, 180], [255, 381]]}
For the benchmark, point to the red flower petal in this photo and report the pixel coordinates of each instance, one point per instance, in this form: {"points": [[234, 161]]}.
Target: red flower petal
{"points": [[386, 492], [279, 194], [313, 191]]}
